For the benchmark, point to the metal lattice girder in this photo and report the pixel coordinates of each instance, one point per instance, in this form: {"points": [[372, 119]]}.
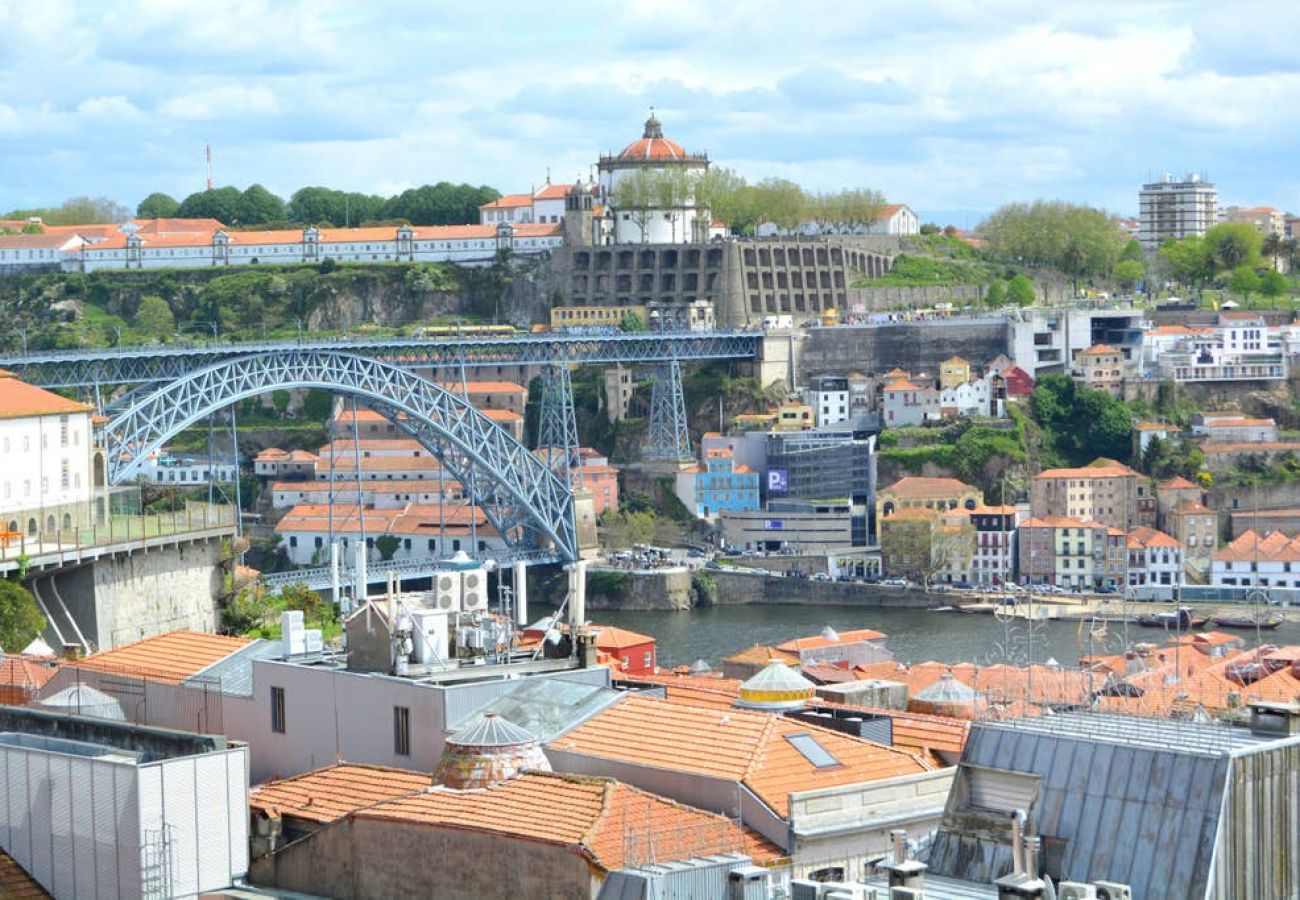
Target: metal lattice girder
{"points": [[557, 425], [520, 496], [669, 439], [137, 365]]}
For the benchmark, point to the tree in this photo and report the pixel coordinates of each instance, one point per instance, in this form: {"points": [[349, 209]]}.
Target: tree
{"points": [[1020, 291], [1244, 282], [631, 322], [387, 545], [1128, 272], [157, 206], [779, 201], [1081, 241], [257, 206], [671, 191], [722, 193], [298, 596], [76, 211], [1273, 283], [928, 228], [1188, 261], [996, 295], [1080, 423], [154, 317], [220, 203], [1231, 245], [1272, 247], [634, 195], [21, 621]]}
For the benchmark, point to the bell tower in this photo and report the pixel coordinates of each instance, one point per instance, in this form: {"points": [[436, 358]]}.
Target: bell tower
{"points": [[578, 229]]}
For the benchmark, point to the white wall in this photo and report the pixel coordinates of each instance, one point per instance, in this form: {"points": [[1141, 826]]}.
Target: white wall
{"points": [[35, 451]]}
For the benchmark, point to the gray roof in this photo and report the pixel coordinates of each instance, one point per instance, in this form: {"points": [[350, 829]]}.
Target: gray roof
{"points": [[545, 707], [234, 674], [491, 731], [1133, 800]]}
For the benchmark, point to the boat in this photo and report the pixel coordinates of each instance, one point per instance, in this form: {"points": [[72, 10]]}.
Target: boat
{"points": [[1181, 619], [1266, 624]]}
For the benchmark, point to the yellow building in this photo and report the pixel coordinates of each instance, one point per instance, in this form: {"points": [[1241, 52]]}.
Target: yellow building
{"points": [[1101, 367], [914, 492], [953, 372], [794, 417], [588, 316]]}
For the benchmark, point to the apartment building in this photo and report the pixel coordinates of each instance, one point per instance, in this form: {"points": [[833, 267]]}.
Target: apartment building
{"points": [[1169, 209], [1104, 491]]}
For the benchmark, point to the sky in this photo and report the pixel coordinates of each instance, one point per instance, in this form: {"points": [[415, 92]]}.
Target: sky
{"points": [[951, 106]]}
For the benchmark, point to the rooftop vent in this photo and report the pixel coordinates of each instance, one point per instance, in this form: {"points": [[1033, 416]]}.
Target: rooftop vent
{"points": [[487, 753]]}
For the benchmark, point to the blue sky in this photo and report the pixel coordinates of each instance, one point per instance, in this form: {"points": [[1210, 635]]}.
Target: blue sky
{"points": [[952, 106]]}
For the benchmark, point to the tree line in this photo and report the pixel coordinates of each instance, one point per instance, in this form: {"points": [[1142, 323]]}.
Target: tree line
{"points": [[443, 203], [1079, 241], [1232, 255], [74, 211], [744, 206]]}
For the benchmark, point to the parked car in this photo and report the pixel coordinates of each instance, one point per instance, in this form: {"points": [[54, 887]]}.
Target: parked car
{"points": [[820, 576], [894, 582], [963, 586]]}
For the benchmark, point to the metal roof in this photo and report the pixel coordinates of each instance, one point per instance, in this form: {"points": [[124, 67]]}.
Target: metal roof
{"points": [[234, 674], [545, 707], [491, 731], [1203, 738]]}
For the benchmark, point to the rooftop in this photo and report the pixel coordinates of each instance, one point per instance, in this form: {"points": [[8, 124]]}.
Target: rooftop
{"points": [[172, 657], [334, 791], [920, 487], [18, 399], [856, 635]]}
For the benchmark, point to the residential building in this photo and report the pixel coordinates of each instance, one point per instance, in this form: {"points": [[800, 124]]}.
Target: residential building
{"points": [[895, 219], [1196, 528], [953, 371], [543, 205], [172, 468], [1238, 349], [1155, 560], [718, 484], [1101, 367], [1146, 432], [1070, 553], [1046, 339], [905, 403], [103, 808], [1258, 560], [421, 531], [928, 545], [829, 398], [1104, 491], [818, 795], [629, 652], [795, 417], [285, 465], [51, 466], [1227, 428], [994, 559], [1267, 220], [1169, 209], [915, 492]]}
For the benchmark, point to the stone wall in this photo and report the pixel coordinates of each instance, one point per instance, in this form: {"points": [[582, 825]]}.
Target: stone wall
{"points": [[665, 589], [913, 346], [129, 596]]}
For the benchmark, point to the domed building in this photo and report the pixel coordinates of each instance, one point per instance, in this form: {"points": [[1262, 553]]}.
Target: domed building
{"points": [[647, 192], [777, 688], [489, 752]]}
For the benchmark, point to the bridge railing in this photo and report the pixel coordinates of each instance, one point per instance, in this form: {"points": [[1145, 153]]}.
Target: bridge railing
{"points": [[408, 568]]}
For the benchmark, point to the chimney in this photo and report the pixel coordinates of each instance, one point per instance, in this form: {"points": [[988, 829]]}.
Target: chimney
{"points": [[901, 869], [1023, 881]]}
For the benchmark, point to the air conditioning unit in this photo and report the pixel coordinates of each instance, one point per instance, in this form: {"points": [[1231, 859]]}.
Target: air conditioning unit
{"points": [[473, 590], [805, 890], [1074, 890], [446, 591], [1111, 890], [293, 633], [313, 640]]}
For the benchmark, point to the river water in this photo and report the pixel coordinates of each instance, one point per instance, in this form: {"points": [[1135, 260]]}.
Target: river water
{"points": [[913, 635]]}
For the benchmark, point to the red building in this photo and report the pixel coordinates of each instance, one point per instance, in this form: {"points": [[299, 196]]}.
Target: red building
{"points": [[633, 653], [1019, 382]]}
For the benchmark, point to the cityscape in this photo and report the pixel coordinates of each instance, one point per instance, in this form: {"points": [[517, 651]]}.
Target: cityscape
{"points": [[803, 471]]}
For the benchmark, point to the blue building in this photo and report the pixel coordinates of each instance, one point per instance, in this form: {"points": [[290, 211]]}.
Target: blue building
{"points": [[718, 484]]}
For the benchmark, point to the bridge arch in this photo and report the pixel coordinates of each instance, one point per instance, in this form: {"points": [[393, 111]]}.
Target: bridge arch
{"points": [[520, 496]]}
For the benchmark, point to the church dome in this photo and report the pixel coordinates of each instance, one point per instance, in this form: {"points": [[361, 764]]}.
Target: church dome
{"points": [[652, 145]]}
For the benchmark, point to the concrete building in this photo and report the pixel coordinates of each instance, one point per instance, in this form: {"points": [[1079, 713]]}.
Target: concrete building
{"points": [[1258, 560], [171, 468], [1104, 491], [914, 492], [100, 808], [994, 558], [1101, 368], [1169, 209], [1043, 340], [859, 647], [51, 466], [420, 531], [798, 526], [1267, 220], [1155, 561], [583, 318], [829, 398], [819, 465], [1237, 349], [820, 796], [718, 485]]}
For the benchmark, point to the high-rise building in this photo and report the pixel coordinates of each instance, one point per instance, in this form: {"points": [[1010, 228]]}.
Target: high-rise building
{"points": [[1175, 209]]}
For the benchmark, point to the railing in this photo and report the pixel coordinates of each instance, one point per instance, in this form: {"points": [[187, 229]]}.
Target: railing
{"points": [[112, 528], [321, 577]]}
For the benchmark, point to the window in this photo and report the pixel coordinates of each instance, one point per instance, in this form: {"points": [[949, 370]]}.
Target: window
{"points": [[812, 751], [277, 710], [402, 730]]}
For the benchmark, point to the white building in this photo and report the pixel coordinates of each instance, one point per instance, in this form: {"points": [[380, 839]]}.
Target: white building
{"points": [[1254, 560], [178, 469], [1155, 560], [652, 219], [19, 252], [994, 560], [1176, 209], [896, 219], [829, 398], [464, 244], [905, 404], [546, 204], [1239, 348], [372, 493], [421, 531], [50, 464], [116, 811], [972, 398]]}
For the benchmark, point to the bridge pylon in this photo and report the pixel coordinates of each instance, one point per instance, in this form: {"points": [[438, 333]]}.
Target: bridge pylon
{"points": [[557, 424], [669, 441]]}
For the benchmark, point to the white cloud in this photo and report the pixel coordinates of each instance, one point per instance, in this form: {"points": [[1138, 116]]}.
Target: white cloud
{"points": [[221, 103]]}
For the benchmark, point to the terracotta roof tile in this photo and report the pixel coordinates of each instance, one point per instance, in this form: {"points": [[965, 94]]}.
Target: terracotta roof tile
{"points": [[610, 638], [22, 676], [917, 486], [332, 792], [587, 815], [170, 657], [734, 745], [815, 641], [18, 399], [16, 883], [762, 655]]}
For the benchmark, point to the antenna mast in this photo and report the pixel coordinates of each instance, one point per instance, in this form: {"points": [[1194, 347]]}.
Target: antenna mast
{"points": [[207, 158]]}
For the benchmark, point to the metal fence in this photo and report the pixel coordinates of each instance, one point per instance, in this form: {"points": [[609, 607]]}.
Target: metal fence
{"points": [[145, 698], [647, 842]]}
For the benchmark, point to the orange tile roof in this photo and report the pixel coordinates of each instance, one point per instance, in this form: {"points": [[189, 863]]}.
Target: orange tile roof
{"points": [[509, 201], [18, 399], [1252, 447], [414, 518], [483, 387], [761, 655], [911, 514], [1250, 547], [1157, 426], [795, 645], [584, 814], [1145, 536], [918, 486], [610, 638], [349, 446], [170, 657], [380, 463], [734, 745], [331, 793], [1241, 422], [1110, 469], [1177, 483], [16, 883], [21, 676], [553, 192], [1098, 350], [901, 384], [916, 731]]}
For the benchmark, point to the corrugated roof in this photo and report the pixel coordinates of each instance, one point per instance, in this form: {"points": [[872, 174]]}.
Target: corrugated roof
{"points": [[334, 791], [167, 657]]}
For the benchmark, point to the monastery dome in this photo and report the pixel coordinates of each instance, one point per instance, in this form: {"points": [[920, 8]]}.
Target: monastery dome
{"points": [[652, 145]]}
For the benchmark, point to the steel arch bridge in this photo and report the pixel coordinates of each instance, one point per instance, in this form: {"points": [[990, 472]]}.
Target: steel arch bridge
{"points": [[522, 498]]}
